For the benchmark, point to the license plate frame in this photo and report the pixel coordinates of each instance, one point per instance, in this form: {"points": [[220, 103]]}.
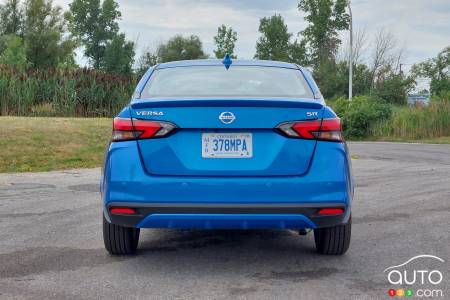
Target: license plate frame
{"points": [[239, 145]]}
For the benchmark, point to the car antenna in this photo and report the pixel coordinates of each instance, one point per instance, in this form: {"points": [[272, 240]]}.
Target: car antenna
{"points": [[227, 61]]}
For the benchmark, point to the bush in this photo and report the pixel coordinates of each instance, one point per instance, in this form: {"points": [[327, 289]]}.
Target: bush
{"points": [[14, 53], [63, 92], [393, 89], [359, 115], [443, 96]]}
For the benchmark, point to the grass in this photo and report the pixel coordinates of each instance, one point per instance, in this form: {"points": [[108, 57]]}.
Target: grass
{"points": [[44, 144], [429, 123], [63, 92]]}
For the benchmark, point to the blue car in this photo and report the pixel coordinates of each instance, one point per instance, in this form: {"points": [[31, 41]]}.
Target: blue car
{"points": [[212, 144]]}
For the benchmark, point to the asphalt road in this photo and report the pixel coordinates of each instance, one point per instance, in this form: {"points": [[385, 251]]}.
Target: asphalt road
{"points": [[51, 244]]}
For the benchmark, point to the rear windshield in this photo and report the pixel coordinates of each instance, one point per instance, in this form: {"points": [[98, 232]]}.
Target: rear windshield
{"points": [[237, 81]]}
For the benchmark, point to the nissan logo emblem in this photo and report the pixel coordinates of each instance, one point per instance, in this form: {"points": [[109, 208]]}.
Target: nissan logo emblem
{"points": [[227, 117]]}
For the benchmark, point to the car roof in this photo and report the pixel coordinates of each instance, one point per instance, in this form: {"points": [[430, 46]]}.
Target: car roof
{"points": [[218, 62]]}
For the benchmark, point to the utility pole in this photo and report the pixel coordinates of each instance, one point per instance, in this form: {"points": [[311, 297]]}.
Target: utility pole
{"points": [[350, 73]]}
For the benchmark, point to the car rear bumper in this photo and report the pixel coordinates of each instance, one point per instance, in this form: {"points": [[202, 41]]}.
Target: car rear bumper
{"points": [[227, 202], [226, 216]]}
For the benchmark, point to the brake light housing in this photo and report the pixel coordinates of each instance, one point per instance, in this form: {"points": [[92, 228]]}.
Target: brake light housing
{"points": [[324, 130], [126, 129]]}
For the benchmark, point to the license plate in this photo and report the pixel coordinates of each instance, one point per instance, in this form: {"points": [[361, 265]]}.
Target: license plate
{"points": [[227, 145]]}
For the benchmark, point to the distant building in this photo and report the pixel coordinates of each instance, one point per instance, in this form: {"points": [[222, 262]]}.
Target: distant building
{"points": [[418, 99]]}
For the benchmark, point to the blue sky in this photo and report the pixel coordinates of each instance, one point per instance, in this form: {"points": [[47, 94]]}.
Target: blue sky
{"points": [[421, 26]]}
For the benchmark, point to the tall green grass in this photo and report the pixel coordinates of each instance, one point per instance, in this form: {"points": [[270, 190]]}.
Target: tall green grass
{"points": [[92, 93], [416, 123], [56, 92]]}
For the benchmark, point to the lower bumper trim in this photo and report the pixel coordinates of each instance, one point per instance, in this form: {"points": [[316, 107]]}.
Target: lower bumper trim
{"points": [[226, 216], [226, 221]]}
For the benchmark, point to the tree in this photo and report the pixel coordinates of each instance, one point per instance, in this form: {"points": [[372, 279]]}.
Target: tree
{"points": [[360, 44], [181, 48], [95, 24], [325, 18], [43, 34], [147, 60], [361, 79], [225, 41], [274, 42], [339, 81], [385, 55], [438, 70], [11, 18], [14, 53], [298, 53], [119, 55], [394, 88], [326, 75]]}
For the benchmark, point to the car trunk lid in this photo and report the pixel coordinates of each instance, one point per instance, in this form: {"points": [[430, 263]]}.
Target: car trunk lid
{"points": [[253, 122]]}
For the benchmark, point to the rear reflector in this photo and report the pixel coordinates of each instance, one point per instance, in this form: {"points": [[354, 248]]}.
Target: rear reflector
{"points": [[330, 211], [125, 129], [325, 130], [122, 211]]}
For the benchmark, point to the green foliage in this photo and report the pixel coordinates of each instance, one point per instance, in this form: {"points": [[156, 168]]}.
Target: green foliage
{"points": [[225, 41], [360, 114], [63, 92], [326, 75], [444, 96], [298, 53], [320, 43], [393, 89], [14, 54], [362, 79], [119, 56], [43, 33], [11, 18], [332, 79], [147, 60], [336, 84], [438, 70], [274, 41], [95, 24], [325, 18], [181, 48], [413, 123]]}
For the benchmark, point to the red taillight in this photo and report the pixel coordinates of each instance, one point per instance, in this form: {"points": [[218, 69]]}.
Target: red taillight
{"points": [[122, 211], [306, 129], [330, 211], [326, 129], [147, 129], [125, 129]]}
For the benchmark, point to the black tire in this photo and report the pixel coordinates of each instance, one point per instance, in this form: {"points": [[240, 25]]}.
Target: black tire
{"points": [[333, 240], [120, 240]]}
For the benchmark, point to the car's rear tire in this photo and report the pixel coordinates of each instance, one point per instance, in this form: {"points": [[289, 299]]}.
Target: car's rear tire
{"points": [[120, 240], [333, 240]]}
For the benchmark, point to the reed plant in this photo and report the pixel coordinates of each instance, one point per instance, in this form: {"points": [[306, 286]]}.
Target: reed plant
{"points": [[63, 92]]}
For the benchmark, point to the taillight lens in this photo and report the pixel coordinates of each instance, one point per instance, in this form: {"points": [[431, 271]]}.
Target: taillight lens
{"points": [[122, 211], [125, 129], [330, 211], [326, 130]]}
